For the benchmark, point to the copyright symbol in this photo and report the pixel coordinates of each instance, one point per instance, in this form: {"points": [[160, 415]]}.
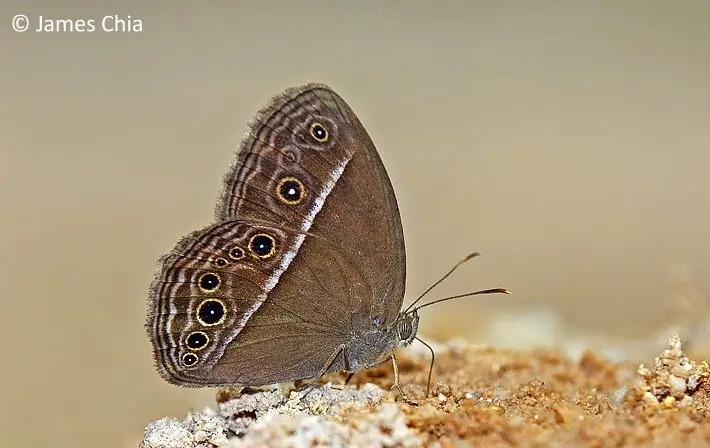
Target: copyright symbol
{"points": [[20, 23]]}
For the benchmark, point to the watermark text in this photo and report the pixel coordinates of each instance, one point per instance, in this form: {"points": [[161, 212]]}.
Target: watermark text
{"points": [[112, 23]]}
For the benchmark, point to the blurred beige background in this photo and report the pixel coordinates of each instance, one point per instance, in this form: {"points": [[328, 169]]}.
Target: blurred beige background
{"points": [[566, 141]]}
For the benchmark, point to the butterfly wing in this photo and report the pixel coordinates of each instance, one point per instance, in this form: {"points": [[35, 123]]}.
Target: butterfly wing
{"points": [[308, 183], [350, 200], [202, 315]]}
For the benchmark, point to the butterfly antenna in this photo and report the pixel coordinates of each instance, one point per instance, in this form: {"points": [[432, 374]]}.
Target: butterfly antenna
{"points": [[476, 293], [451, 271]]}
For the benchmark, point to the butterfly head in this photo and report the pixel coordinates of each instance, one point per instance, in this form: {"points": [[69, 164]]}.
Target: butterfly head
{"points": [[406, 327]]}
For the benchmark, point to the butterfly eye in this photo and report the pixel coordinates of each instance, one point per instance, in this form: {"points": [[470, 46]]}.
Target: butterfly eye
{"points": [[404, 329], [197, 340], [290, 190], [189, 359], [209, 282], [262, 245], [319, 132], [236, 253], [211, 312]]}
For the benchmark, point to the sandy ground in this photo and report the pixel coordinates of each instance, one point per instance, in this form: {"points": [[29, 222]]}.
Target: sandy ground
{"points": [[480, 397]]}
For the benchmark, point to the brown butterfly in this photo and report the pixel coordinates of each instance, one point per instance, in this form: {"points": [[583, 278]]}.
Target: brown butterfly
{"points": [[303, 271]]}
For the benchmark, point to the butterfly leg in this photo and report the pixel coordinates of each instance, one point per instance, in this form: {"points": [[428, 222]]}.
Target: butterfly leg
{"points": [[397, 384], [346, 367], [339, 350]]}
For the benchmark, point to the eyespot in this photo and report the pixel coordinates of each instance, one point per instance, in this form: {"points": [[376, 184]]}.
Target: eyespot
{"points": [[290, 190], [209, 282], [262, 245], [236, 253], [197, 340], [211, 312], [319, 132], [289, 156], [221, 262], [189, 359]]}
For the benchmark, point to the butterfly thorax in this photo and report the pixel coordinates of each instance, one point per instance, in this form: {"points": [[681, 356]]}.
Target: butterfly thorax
{"points": [[373, 346]]}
